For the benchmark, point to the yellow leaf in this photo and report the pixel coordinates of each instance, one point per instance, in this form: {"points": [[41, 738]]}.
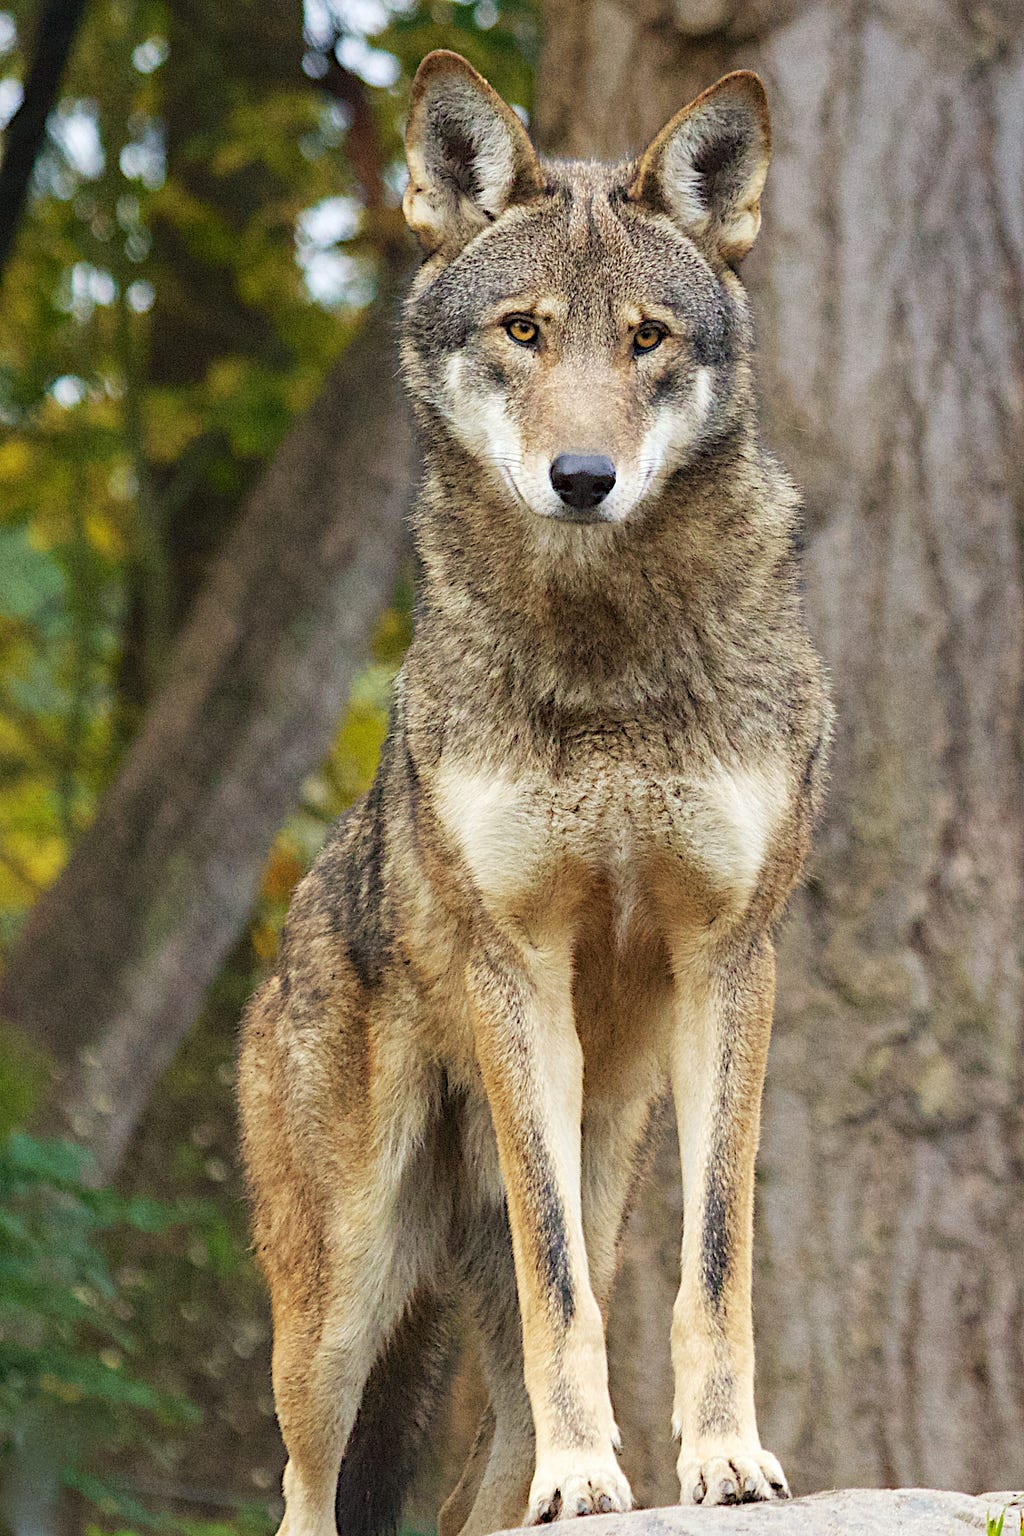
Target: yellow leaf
{"points": [[41, 856], [264, 941], [65, 1390], [283, 871], [15, 459], [104, 536]]}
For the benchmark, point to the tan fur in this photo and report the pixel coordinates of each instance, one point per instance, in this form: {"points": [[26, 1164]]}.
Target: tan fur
{"points": [[558, 899]]}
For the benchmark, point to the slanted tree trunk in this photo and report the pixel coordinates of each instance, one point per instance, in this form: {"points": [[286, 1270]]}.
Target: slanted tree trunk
{"points": [[118, 954], [888, 288]]}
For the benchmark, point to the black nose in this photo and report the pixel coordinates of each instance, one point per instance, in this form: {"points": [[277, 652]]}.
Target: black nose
{"points": [[582, 479]]}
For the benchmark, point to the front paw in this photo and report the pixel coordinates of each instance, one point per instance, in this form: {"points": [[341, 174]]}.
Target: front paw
{"points": [[577, 1484], [733, 1473]]}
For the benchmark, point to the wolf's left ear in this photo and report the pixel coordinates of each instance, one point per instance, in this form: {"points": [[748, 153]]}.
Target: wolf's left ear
{"points": [[706, 168], [469, 155]]}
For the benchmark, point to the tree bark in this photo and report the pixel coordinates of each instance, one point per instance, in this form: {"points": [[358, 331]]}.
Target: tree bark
{"points": [[116, 959], [888, 289]]}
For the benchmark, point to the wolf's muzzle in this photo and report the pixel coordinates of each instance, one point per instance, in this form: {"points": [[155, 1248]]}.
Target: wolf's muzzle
{"points": [[582, 480]]}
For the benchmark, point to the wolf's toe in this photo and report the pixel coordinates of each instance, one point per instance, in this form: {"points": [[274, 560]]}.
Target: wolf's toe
{"points": [[572, 1491], [737, 1476]]}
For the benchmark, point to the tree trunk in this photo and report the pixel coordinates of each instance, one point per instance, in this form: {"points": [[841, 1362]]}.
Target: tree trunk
{"points": [[888, 289], [117, 957], [223, 60]]}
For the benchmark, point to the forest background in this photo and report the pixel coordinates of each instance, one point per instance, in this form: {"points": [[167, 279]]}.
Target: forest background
{"points": [[205, 591]]}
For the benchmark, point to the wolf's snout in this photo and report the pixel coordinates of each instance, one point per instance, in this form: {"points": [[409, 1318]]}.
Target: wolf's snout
{"points": [[582, 479]]}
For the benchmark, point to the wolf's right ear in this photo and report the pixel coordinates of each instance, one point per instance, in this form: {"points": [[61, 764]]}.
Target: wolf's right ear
{"points": [[469, 155], [706, 169]]}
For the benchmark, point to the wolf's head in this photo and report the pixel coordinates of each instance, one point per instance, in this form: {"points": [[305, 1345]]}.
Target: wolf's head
{"points": [[579, 328]]}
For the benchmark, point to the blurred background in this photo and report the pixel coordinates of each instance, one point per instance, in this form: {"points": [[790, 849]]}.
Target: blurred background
{"points": [[205, 592]]}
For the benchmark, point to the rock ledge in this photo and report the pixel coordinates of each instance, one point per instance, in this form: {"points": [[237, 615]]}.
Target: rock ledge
{"points": [[842, 1512]]}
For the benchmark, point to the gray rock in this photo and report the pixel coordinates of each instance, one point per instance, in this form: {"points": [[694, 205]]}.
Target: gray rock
{"points": [[845, 1512]]}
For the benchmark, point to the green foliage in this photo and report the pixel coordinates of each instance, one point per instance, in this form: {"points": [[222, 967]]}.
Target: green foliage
{"points": [[24, 1072], [65, 1350], [106, 436], [994, 1524], [500, 40], [247, 1520]]}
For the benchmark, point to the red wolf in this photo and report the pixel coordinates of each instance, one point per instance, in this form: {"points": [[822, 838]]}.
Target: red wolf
{"points": [[558, 899]]}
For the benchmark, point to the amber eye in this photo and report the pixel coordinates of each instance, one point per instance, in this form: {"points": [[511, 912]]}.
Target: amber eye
{"points": [[648, 336], [521, 330]]}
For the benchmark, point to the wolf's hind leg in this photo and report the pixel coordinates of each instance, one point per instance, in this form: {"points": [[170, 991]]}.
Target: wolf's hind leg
{"points": [[455, 1510], [321, 1362], [493, 1492], [376, 1309], [317, 1388], [352, 1207], [615, 1152]]}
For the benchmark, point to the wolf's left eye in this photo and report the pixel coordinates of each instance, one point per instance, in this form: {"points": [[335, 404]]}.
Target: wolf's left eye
{"points": [[648, 336], [523, 331]]}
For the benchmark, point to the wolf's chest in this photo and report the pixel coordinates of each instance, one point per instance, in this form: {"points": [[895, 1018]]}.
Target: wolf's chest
{"points": [[706, 834]]}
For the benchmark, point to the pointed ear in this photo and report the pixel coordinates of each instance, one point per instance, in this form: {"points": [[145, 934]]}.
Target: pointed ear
{"points": [[706, 168], [469, 155]]}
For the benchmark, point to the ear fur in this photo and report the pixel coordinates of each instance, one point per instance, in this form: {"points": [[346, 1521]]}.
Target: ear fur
{"points": [[707, 167], [469, 155]]}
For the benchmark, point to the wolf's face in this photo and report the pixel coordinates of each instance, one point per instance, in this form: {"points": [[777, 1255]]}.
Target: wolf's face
{"points": [[577, 327]]}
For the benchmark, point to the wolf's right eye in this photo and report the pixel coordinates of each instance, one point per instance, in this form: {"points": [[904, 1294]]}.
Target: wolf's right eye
{"points": [[524, 332], [647, 337]]}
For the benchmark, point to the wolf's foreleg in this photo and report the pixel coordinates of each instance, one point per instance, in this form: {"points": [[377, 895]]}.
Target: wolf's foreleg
{"points": [[494, 1491], [532, 1068], [726, 992]]}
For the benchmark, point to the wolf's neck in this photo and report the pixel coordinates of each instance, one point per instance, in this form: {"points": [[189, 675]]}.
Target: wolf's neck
{"points": [[600, 620]]}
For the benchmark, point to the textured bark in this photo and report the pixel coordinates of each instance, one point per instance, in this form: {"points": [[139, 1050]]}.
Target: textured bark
{"points": [[888, 287], [117, 956]]}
